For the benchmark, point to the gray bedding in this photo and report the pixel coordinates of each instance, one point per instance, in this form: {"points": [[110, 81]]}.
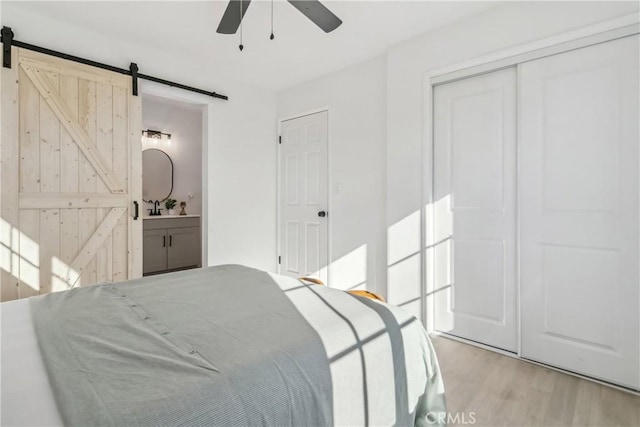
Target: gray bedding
{"points": [[230, 346]]}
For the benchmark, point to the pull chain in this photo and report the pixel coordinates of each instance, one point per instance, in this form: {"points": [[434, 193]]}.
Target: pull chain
{"points": [[272, 36], [241, 9]]}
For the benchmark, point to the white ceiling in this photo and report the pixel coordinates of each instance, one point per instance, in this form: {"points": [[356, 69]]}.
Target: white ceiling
{"points": [[300, 51]]}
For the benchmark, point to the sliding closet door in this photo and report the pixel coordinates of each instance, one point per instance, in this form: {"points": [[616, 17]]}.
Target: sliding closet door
{"points": [[71, 171], [578, 203], [474, 189]]}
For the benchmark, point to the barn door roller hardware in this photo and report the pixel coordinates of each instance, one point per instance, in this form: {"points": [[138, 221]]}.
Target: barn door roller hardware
{"points": [[8, 41]]}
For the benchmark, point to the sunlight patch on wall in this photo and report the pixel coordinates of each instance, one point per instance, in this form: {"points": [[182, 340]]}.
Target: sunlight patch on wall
{"points": [[404, 286], [350, 271], [403, 238], [324, 272]]}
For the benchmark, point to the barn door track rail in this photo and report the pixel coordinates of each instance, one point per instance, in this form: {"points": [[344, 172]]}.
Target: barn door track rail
{"points": [[8, 41]]}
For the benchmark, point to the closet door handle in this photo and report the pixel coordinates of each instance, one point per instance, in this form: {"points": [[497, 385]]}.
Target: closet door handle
{"points": [[164, 241], [170, 240]]}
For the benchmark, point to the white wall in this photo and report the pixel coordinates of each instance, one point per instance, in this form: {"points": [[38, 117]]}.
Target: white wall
{"points": [[242, 181], [239, 160], [356, 101], [184, 123]]}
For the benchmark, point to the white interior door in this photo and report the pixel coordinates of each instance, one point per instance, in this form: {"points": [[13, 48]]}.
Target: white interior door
{"points": [[475, 218], [72, 169], [578, 145], [304, 196]]}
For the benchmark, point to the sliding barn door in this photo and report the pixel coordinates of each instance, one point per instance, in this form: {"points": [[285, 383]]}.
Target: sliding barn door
{"points": [[579, 210], [475, 208], [71, 169]]}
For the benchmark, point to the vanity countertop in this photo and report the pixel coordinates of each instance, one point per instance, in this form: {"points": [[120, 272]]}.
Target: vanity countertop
{"points": [[170, 216]]}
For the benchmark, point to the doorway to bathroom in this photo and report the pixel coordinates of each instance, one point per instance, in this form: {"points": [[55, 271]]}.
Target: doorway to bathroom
{"points": [[172, 178]]}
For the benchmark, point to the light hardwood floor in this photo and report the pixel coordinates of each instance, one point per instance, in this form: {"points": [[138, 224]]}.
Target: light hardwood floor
{"points": [[504, 391]]}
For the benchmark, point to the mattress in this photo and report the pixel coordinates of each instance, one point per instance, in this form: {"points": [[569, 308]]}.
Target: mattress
{"points": [[381, 364], [26, 397]]}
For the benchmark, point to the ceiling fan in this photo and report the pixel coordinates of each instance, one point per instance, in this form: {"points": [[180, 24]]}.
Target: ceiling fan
{"points": [[312, 9]]}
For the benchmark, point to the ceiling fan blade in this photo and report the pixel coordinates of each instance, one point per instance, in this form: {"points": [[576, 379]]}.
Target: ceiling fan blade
{"points": [[231, 19], [318, 14]]}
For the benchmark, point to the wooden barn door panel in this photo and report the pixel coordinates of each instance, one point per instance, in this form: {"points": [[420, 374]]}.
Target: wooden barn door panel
{"points": [[77, 172], [9, 184]]}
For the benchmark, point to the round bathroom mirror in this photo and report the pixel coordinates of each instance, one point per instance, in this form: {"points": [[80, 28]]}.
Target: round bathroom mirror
{"points": [[157, 175]]}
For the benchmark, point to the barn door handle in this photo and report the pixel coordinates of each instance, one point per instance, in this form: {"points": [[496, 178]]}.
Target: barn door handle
{"points": [[136, 208]]}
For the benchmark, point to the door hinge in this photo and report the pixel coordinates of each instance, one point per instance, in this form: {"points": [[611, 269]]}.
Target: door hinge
{"points": [[279, 260], [280, 139]]}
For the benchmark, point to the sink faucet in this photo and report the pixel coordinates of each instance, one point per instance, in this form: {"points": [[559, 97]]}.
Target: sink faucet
{"points": [[156, 209]]}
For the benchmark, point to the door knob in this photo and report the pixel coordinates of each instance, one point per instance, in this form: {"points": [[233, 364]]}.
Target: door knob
{"points": [[322, 214]]}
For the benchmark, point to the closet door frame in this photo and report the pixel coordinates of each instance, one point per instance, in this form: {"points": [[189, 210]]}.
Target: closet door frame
{"points": [[624, 26]]}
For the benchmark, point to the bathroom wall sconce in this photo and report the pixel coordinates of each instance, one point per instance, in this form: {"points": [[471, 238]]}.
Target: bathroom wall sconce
{"points": [[155, 136]]}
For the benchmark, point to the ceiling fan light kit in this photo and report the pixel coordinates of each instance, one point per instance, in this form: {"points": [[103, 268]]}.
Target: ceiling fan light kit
{"points": [[315, 11]]}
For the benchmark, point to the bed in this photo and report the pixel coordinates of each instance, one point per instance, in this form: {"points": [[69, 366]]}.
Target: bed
{"points": [[226, 345]]}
